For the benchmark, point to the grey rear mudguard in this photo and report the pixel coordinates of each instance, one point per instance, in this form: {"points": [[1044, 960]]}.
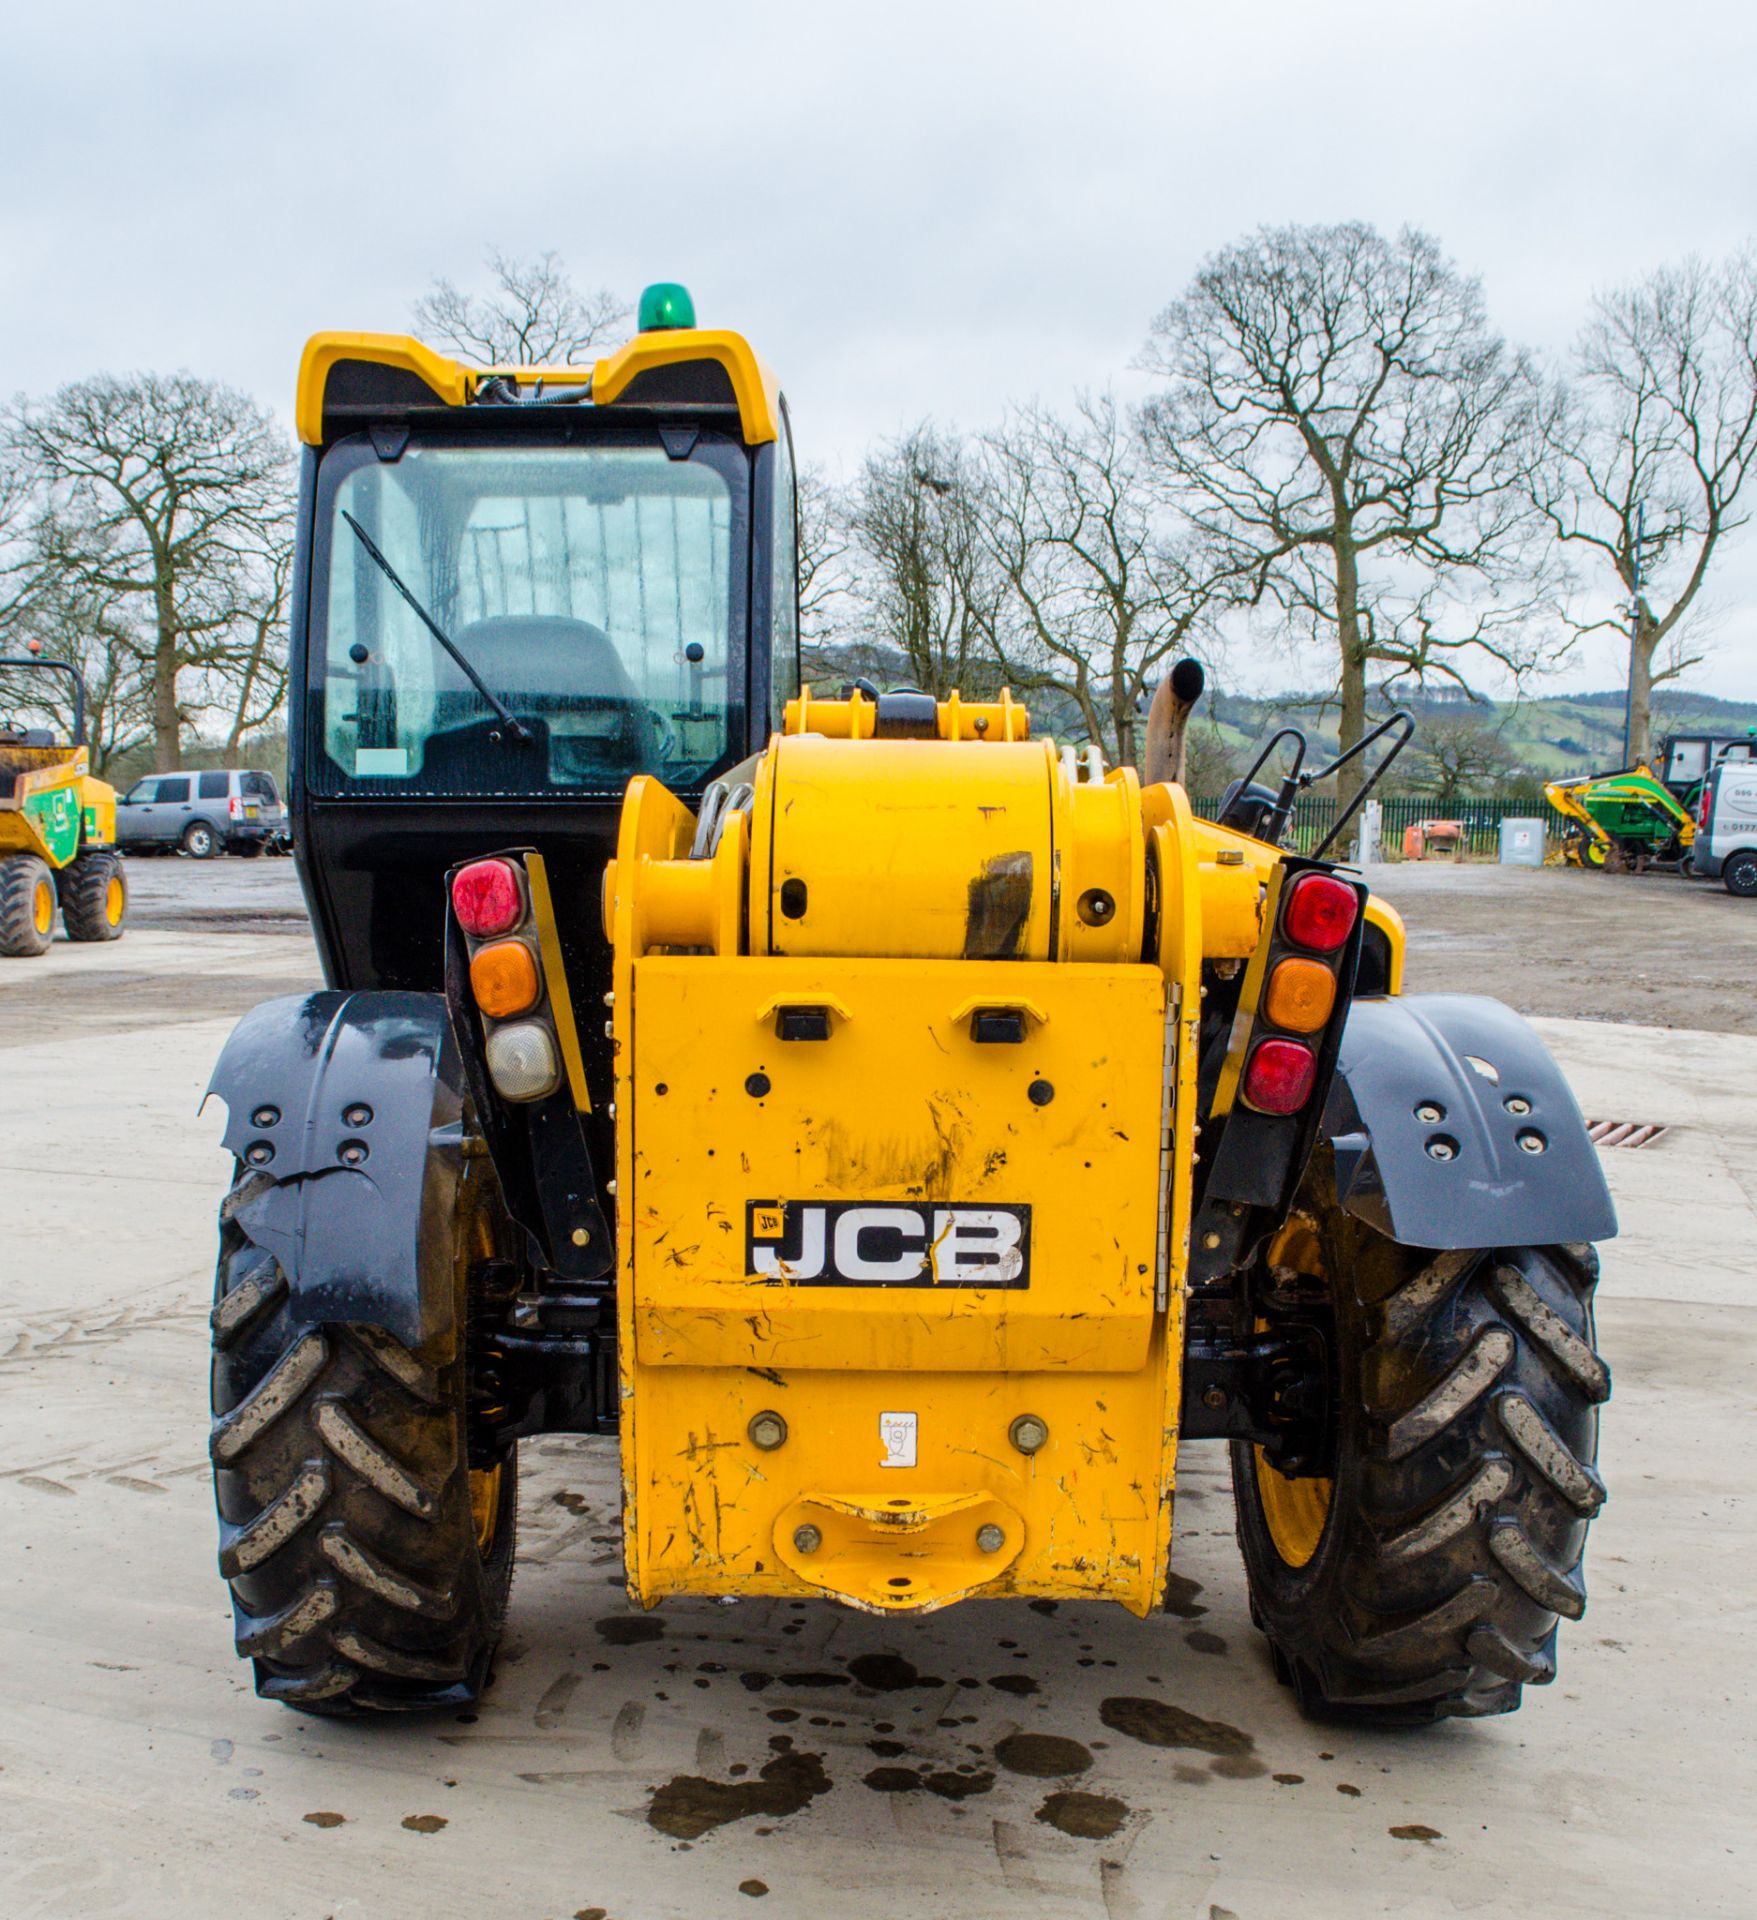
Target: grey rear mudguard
{"points": [[1468, 1057], [345, 1110]]}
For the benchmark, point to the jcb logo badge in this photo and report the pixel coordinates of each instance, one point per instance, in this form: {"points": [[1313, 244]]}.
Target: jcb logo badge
{"points": [[851, 1243]]}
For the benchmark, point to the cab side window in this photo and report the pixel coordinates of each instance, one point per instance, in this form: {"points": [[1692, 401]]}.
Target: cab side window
{"points": [[173, 792], [784, 584], [211, 786]]}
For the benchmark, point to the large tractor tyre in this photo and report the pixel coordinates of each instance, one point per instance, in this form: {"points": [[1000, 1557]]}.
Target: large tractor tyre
{"points": [[1426, 1577], [1739, 875], [27, 906], [94, 897], [200, 841], [369, 1564]]}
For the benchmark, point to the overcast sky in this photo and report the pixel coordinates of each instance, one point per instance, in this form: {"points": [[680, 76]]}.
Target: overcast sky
{"points": [[910, 208]]}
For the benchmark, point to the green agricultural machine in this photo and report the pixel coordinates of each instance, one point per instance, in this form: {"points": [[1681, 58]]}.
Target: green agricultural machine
{"points": [[1620, 821], [57, 833], [1636, 817]]}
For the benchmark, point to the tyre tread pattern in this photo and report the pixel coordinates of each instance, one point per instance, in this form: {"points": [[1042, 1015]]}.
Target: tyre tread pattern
{"points": [[346, 1530], [1440, 1582], [85, 889], [20, 874]]}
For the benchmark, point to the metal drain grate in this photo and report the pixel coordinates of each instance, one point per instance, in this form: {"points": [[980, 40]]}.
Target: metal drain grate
{"points": [[1625, 1133]]}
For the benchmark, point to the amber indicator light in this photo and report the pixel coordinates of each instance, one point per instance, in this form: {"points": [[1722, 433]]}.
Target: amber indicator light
{"points": [[503, 978], [1301, 995]]}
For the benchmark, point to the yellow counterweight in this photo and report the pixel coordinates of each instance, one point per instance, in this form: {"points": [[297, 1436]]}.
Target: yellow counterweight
{"points": [[905, 1083]]}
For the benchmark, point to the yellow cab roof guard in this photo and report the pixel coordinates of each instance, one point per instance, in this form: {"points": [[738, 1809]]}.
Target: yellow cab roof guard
{"points": [[346, 378]]}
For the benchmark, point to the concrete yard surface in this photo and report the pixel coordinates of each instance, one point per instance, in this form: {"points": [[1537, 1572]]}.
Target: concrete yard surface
{"points": [[795, 1759]]}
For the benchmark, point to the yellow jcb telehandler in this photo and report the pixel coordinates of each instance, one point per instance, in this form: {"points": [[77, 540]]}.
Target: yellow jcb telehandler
{"points": [[906, 1139]]}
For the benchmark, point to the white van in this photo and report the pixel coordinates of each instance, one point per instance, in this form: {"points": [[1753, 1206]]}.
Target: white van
{"points": [[1725, 846]]}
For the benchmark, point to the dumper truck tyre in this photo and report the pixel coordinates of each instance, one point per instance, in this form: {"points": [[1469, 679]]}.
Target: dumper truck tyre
{"points": [[1425, 1578], [369, 1559], [27, 906], [94, 897]]}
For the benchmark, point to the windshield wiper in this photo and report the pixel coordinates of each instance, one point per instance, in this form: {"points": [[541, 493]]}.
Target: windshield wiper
{"points": [[514, 726]]}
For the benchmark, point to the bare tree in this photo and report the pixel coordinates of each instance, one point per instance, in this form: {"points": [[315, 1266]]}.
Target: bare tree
{"points": [[1349, 434], [823, 553], [72, 623], [1458, 755], [1211, 761], [258, 683], [532, 315], [1649, 448], [160, 508], [922, 580], [1098, 598]]}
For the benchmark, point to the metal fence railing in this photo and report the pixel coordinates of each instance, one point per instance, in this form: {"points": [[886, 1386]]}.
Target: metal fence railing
{"points": [[1314, 814]]}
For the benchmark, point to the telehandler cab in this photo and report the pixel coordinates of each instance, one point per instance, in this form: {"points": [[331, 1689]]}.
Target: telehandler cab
{"points": [[904, 1137]]}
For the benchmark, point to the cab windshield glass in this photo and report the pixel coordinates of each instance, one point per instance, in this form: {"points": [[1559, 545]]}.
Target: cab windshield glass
{"points": [[593, 588]]}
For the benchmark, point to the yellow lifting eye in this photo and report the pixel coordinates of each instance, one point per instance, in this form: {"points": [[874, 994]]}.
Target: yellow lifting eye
{"points": [[503, 978], [1301, 994]]}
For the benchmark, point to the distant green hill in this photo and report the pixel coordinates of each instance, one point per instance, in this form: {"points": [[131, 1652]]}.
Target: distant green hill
{"points": [[1559, 734], [1583, 733], [1547, 738]]}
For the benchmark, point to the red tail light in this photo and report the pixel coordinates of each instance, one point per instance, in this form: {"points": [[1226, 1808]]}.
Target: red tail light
{"points": [[234, 806], [1320, 912], [487, 898], [1707, 802], [1278, 1076]]}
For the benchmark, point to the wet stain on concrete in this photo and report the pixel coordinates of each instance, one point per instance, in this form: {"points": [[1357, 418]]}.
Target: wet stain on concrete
{"points": [[423, 1823], [1157, 1723], [628, 1629], [1289, 1779], [625, 1733], [554, 1702], [894, 1780], [1189, 1776], [948, 1785], [1043, 1756], [886, 1749], [889, 1673], [1014, 1683], [591, 1913], [1086, 1816], [754, 1888], [1180, 1597], [755, 1682], [1202, 1641], [326, 1819], [1237, 1766], [1044, 1606], [1353, 1793], [574, 1502], [690, 1805], [1416, 1831]]}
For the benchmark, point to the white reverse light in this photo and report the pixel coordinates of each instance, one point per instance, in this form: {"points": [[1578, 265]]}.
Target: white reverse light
{"points": [[522, 1062]]}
